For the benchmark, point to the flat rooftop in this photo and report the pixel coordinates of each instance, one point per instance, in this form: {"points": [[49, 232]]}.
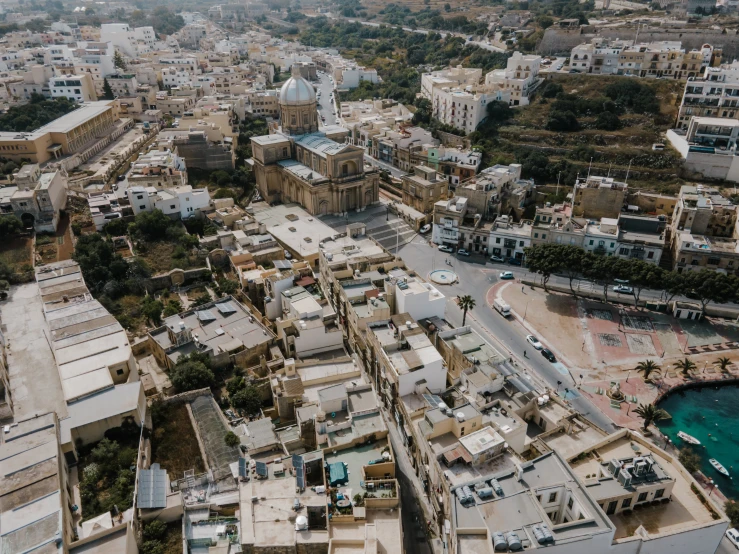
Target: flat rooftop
{"points": [[290, 224], [685, 509], [520, 507]]}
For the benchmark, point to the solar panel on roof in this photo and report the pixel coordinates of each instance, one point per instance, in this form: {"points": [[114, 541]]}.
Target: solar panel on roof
{"points": [[300, 477], [205, 315], [226, 308], [432, 400], [152, 488], [242, 467], [297, 461], [262, 469]]}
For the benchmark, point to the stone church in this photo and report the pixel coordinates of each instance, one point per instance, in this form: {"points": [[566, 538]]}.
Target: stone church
{"points": [[300, 163]]}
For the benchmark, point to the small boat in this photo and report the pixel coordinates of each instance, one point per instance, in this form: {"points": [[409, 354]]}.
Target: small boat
{"points": [[688, 438], [718, 467]]}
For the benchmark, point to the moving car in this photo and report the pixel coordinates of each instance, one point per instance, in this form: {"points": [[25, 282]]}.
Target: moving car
{"points": [[425, 229], [502, 308], [514, 261], [505, 275], [462, 252], [445, 248], [497, 259], [623, 289], [548, 355], [533, 341], [733, 536]]}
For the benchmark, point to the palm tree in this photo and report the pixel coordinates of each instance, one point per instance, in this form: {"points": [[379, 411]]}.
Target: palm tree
{"points": [[685, 366], [650, 413], [465, 303], [647, 367], [723, 364]]}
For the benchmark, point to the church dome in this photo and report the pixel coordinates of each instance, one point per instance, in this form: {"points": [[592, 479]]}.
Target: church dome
{"points": [[297, 91]]}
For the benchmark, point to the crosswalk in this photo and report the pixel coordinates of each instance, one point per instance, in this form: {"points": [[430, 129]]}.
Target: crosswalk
{"points": [[387, 233]]}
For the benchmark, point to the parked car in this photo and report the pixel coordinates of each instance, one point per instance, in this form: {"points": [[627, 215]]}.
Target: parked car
{"points": [[733, 536], [425, 229], [288, 255], [548, 355], [514, 261], [505, 275], [623, 289], [462, 252], [533, 341], [497, 259], [447, 249], [121, 177]]}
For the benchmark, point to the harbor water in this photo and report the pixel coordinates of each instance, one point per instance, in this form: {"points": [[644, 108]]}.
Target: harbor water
{"points": [[710, 415]]}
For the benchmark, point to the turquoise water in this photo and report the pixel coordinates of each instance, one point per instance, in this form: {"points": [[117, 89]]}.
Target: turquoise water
{"points": [[704, 412]]}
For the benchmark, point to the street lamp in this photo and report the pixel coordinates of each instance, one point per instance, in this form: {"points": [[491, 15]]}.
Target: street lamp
{"points": [[581, 378], [628, 375], [526, 310], [559, 383], [713, 486]]}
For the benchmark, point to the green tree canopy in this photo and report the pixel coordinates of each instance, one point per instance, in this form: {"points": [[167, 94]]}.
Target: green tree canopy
{"points": [[10, 225], [191, 375]]}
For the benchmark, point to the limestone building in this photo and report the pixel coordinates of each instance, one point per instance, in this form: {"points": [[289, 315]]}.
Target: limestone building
{"points": [[300, 163]]}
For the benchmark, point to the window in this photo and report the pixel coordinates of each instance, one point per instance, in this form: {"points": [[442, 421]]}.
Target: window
{"points": [[626, 503], [497, 240], [536, 235], [650, 255], [544, 235], [119, 372], [591, 243], [659, 494], [623, 251], [142, 207], [570, 503], [642, 497], [520, 243], [552, 497]]}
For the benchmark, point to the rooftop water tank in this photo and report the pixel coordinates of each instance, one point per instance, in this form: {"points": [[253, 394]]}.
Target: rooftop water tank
{"points": [[514, 543], [499, 542]]}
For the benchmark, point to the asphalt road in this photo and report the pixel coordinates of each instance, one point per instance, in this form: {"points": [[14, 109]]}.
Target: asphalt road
{"points": [[476, 276], [725, 547], [326, 105]]}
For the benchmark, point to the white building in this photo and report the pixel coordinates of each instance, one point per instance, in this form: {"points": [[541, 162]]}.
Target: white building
{"points": [[172, 77], [350, 78], [182, 201], [306, 327], [519, 77], [79, 88], [418, 298], [508, 239]]}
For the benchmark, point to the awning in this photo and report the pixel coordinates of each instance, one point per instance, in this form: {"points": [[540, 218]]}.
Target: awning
{"points": [[460, 453]]}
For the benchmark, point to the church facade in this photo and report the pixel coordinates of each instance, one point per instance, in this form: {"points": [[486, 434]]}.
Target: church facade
{"points": [[300, 163]]}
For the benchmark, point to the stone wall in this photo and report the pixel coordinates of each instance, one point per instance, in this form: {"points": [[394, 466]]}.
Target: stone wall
{"points": [[562, 41]]}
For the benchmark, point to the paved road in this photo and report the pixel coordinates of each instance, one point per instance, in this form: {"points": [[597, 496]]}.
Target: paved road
{"points": [[415, 508], [725, 547], [325, 102], [475, 278], [387, 229], [374, 162]]}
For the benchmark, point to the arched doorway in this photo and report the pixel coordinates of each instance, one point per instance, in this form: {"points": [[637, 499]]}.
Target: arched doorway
{"points": [[368, 199], [323, 207], [28, 220]]}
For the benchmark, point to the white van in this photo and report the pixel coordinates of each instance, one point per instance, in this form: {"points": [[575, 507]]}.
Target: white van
{"points": [[502, 308]]}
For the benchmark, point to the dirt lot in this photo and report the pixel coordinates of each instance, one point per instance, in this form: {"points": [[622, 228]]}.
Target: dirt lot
{"points": [[163, 256], [17, 254], [173, 444]]}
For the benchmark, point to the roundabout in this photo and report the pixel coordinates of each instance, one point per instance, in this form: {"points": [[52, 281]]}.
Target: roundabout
{"points": [[443, 277]]}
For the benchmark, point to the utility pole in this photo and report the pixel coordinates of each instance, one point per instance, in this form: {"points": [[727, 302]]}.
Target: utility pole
{"points": [[590, 166], [626, 181]]}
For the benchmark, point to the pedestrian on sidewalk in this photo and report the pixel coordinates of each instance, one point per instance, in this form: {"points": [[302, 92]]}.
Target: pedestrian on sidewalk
{"points": [[524, 354]]}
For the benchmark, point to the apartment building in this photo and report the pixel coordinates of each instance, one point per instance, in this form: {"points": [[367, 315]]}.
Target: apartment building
{"points": [[518, 79], [79, 88], [597, 197], [423, 189], [508, 239], [36, 198], [713, 94]]}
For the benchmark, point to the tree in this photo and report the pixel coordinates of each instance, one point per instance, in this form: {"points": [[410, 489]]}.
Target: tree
{"points": [[711, 286], [608, 121], [600, 270], [685, 366], [465, 303], [544, 260], [107, 90], [723, 363], [153, 547], [690, 459], [191, 375], [200, 300], [231, 439], [650, 413], [151, 225], [173, 307], [447, 8], [544, 21], [647, 367], [116, 227], [732, 512], [152, 309], [644, 275], [498, 112], [672, 284], [247, 398], [155, 530], [10, 225], [572, 258], [118, 60], [551, 89], [562, 121]]}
